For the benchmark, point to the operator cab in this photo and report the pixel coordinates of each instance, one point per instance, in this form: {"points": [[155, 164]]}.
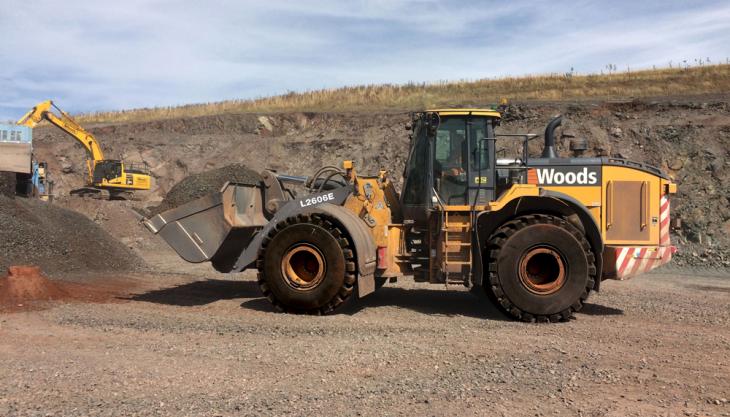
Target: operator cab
{"points": [[452, 161], [107, 170]]}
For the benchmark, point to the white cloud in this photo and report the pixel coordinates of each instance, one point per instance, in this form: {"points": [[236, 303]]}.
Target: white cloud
{"points": [[108, 55]]}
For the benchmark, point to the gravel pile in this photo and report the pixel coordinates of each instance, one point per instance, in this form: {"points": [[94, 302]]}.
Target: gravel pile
{"points": [[58, 240], [7, 183], [205, 183]]}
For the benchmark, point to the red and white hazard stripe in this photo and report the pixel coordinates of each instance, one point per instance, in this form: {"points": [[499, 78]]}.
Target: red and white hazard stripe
{"points": [[632, 261], [664, 222]]}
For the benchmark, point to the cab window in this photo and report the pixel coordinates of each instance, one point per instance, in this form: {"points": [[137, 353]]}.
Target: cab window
{"points": [[450, 159], [415, 189]]}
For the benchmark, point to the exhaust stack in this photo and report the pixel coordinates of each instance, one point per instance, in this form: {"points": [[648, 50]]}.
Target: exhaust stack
{"points": [[549, 150]]}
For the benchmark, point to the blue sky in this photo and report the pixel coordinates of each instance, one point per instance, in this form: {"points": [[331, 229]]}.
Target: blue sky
{"points": [[106, 55]]}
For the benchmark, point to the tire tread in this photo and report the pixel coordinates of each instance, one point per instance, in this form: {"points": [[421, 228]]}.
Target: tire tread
{"points": [[496, 243], [345, 243]]}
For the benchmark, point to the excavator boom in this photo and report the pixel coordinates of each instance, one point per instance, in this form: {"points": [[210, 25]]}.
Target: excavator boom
{"points": [[44, 111]]}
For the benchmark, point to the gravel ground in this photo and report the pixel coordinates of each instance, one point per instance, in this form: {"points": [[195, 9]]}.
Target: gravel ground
{"points": [[203, 344]]}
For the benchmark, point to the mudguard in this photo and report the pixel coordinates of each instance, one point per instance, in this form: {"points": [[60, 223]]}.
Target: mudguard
{"points": [[591, 228], [547, 201], [329, 204], [365, 248]]}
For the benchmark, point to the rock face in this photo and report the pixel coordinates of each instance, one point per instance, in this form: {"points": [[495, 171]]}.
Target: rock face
{"points": [[66, 166]]}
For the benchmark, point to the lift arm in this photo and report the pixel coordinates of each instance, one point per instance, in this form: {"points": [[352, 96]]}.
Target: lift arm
{"points": [[64, 122]]}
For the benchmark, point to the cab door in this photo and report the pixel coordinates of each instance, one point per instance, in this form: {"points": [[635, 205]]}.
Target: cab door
{"points": [[417, 200], [416, 197], [463, 160], [482, 162]]}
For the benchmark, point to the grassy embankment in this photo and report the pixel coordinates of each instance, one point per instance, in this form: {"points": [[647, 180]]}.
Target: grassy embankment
{"points": [[647, 83]]}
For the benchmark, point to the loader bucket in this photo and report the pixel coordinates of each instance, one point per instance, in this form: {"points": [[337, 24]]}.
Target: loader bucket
{"points": [[212, 225]]}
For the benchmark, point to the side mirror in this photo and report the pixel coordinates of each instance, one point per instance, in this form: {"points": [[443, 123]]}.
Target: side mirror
{"points": [[409, 126], [433, 121]]}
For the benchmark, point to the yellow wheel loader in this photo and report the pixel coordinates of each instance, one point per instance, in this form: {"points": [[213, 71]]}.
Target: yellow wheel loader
{"points": [[538, 234], [108, 178]]}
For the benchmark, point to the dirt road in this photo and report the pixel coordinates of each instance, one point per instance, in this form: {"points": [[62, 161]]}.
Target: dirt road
{"points": [[202, 344]]}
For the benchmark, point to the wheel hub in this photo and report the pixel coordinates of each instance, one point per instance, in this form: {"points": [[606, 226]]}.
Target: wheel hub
{"points": [[542, 271], [303, 267]]}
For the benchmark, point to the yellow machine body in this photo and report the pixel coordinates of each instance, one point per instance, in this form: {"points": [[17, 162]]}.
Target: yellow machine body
{"points": [[629, 204]]}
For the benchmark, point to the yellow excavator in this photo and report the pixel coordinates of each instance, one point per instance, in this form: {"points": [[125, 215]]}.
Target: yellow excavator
{"points": [[107, 178]]}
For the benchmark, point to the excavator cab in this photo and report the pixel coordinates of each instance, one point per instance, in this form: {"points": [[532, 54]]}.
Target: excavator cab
{"points": [[107, 170], [118, 178]]}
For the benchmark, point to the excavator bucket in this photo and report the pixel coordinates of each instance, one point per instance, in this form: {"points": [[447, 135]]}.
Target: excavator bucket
{"points": [[212, 225]]}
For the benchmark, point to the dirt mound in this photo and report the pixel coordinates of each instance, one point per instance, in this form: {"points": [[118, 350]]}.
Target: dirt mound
{"points": [[57, 240], [26, 287], [200, 185], [27, 283]]}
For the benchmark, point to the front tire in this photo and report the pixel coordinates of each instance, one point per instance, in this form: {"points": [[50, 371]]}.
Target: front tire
{"points": [[306, 266], [541, 268]]}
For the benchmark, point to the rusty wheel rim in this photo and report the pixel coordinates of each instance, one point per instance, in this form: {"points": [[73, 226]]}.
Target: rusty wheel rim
{"points": [[542, 271], [303, 267]]}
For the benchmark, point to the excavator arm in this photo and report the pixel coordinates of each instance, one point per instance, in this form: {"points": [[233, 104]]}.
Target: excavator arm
{"points": [[44, 111]]}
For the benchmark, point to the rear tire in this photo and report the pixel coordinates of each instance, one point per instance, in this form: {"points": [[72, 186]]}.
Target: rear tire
{"points": [[541, 268], [307, 266]]}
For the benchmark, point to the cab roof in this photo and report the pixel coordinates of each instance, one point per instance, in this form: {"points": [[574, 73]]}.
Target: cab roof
{"points": [[466, 112]]}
